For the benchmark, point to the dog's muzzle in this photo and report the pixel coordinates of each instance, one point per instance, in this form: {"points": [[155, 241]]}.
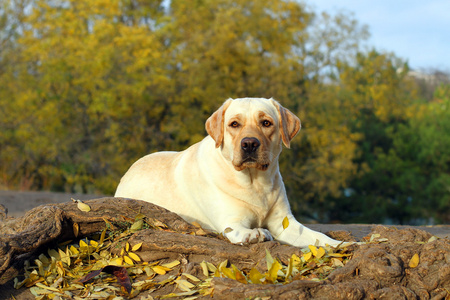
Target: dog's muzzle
{"points": [[250, 156]]}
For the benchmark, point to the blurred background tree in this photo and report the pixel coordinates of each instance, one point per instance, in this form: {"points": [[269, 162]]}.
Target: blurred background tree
{"points": [[89, 86]]}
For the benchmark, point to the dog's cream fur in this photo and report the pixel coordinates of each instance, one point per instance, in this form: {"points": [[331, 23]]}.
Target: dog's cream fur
{"points": [[221, 186]]}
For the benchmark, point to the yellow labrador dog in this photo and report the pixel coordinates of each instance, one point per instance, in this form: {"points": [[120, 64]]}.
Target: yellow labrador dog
{"points": [[230, 181]]}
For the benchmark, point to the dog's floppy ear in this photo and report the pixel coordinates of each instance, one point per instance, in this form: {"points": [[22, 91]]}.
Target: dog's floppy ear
{"points": [[214, 124], [289, 124]]}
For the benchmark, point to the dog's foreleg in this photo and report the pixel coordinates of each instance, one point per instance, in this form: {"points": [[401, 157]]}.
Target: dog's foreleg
{"points": [[285, 228], [296, 234]]}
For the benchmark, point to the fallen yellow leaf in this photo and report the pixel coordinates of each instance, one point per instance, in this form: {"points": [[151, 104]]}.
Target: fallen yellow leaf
{"points": [[136, 247], [83, 244], [414, 262], [76, 229], [137, 225], [128, 260], [204, 268], [102, 237], [64, 257], [290, 267], [149, 271], [374, 236], [134, 256], [117, 261], [295, 259], [44, 259], [191, 277], [320, 253], [196, 224], [158, 223], [74, 250], [255, 276], [338, 255], [313, 249], [211, 267], [184, 285], [238, 275], [228, 273], [307, 256], [335, 262], [41, 285], [159, 270], [60, 269], [171, 264], [272, 274], [83, 206], [53, 253], [269, 260], [285, 222]]}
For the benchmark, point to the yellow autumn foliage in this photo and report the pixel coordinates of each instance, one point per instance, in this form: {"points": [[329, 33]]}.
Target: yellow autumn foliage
{"points": [[89, 86]]}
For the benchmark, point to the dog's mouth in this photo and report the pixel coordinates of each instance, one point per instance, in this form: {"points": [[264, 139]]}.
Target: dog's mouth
{"points": [[251, 162]]}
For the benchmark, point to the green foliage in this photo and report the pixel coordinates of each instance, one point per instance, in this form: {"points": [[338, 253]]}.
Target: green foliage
{"points": [[87, 87], [408, 177], [421, 147]]}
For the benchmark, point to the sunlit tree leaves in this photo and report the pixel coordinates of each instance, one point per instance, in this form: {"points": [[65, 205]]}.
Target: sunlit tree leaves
{"points": [[88, 87]]}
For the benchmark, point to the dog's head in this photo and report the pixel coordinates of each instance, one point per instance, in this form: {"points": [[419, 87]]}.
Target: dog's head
{"points": [[250, 131]]}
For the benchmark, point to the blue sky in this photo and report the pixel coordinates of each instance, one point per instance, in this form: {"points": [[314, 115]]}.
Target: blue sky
{"points": [[417, 31]]}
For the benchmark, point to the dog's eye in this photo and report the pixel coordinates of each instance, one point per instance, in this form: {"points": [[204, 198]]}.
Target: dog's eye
{"points": [[266, 123], [234, 124]]}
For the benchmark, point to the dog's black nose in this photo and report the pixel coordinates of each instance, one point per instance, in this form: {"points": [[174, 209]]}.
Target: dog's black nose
{"points": [[250, 145]]}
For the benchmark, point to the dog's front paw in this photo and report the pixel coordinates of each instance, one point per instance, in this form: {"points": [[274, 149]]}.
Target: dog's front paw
{"points": [[247, 236], [257, 235]]}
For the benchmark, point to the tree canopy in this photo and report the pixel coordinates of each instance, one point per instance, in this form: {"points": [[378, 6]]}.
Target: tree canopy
{"points": [[88, 87]]}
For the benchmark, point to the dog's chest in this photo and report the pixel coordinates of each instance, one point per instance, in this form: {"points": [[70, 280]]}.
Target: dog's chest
{"points": [[258, 199], [260, 188]]}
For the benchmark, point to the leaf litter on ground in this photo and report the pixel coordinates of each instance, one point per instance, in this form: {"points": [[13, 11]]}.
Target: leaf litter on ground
{"points": [[89, 269]]}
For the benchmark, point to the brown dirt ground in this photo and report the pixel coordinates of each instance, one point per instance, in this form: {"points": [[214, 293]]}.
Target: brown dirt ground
{"points": [[19, 202]]}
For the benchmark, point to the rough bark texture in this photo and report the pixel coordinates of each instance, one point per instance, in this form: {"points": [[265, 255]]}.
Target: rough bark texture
{"points": [[377, 271]]}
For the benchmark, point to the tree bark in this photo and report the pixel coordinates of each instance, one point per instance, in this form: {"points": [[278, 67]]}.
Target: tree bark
{"points": [[377, 270]]}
